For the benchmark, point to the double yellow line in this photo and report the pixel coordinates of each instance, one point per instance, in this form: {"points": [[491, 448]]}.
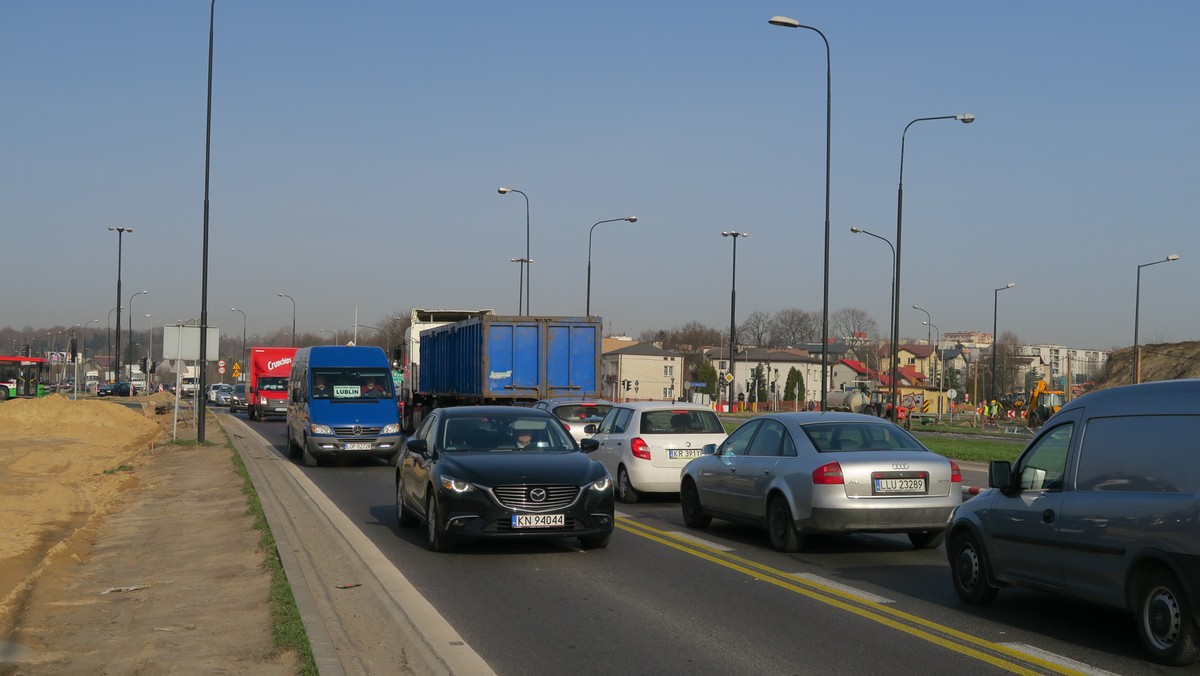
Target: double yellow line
{"points": [[995, 654]]}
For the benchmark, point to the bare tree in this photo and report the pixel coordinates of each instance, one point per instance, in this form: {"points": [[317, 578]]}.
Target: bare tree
{"points": [[755, 329], [853, 326], [793, 326]]}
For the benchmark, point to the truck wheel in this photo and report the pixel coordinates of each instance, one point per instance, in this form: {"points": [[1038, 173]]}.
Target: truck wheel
{"points": [[1164, 620], [310, 460], [3, 393], [625, 491]]}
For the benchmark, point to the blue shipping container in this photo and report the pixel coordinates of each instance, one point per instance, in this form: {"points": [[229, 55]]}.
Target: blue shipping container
{"points": [[512, 358]]}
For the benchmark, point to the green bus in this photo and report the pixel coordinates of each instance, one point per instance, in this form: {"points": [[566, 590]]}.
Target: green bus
{"points": [[22, 376]]}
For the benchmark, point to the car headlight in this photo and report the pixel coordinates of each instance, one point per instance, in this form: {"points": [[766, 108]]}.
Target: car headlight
{"points": [[393, 428], [319, 429], [602, 484], [455, 485]]}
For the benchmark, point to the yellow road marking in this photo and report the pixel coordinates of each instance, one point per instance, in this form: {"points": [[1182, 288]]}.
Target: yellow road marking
{"points": [[875, 612]]}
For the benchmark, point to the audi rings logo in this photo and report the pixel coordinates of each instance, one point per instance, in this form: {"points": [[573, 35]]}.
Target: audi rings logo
{"points": [[899, 465], [537, 494], [358, 430]]}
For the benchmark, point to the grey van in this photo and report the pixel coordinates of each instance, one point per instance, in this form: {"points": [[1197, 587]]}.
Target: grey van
{"points": [[1103, 506]]}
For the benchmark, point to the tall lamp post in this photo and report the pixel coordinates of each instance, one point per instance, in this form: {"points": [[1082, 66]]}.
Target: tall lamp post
{"points": [[732, 309], [937, 365], [82, 352], [965, 118], [332, 333], [131, 330], [284, 295], [524, 266], [149, 347], [243, 364], [1137, 302], [928, 333], [110, 342], [787, 22], [995, 303], [120, 238], [892, 299], [588, 305]]}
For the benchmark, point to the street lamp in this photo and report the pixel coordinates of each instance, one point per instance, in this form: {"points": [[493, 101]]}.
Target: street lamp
{"points": [[965, 118], [787, 22], [120, 238], [131, 329], [995, 301], [1137, 301], [82, 352], [110, 342], [203, 375], [332, 333], [284, 295], [243, 364], [891, 301], [520, 278], [528, 273], [732, 308], [630, 219], [149, 348], [938, 367], [928, 333]]}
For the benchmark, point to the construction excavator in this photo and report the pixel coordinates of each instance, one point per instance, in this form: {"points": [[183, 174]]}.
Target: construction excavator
{"points": [[1043, 403]]}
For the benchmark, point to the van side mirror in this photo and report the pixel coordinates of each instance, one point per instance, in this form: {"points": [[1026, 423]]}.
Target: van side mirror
{"points": [[589, 445], [1000, 475]]}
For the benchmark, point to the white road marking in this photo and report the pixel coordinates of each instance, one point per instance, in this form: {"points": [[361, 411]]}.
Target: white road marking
{"points": [[852, 591], [1058, 659], [700, 541]]}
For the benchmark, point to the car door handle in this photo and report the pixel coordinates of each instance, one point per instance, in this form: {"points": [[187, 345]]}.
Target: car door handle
{"points": [[1048, 516]]}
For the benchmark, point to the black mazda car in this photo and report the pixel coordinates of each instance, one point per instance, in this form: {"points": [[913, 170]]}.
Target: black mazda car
{"points": [[476, 472]]}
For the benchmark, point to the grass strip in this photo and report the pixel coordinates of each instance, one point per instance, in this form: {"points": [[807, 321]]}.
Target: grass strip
{"points": [[288, 628]]}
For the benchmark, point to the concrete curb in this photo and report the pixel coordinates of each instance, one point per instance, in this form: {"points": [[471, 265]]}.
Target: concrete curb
{"points": [[382, 626]]}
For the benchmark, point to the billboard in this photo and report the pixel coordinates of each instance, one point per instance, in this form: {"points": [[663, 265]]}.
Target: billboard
{"points": [[183, 342]]}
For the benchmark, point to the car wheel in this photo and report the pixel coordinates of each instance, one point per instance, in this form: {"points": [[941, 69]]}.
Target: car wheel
{"points": [[969, 568], [625, 491], [3, 393], [595, 541], [404, 517], [1164, 619], [689, 501], [310, 460], [435, 538], [781, 527], [927, 539]]}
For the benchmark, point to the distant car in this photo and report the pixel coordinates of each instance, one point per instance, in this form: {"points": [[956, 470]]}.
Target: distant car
{"points": [[654, 440], [210, 392], [805, 473], [237, 398], [501, 472], [114, 390], [224, 391], [576, 414]]}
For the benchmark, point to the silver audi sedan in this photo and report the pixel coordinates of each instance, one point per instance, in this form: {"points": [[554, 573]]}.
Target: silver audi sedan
{"points": [[798, 474]]}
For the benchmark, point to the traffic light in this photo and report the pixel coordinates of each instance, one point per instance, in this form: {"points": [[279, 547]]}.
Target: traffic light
{"points": [[152, 365], [142, 364], [627, 385]]}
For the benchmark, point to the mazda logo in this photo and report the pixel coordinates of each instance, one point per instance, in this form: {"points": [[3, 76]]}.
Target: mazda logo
{"points": [[899, 465], [358, 430], [537, 494]]}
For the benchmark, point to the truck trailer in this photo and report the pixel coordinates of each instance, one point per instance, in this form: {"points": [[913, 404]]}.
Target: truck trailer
{"points": [[509, 360]]}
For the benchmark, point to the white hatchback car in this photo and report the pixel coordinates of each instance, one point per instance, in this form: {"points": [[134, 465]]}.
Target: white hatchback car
{"points": [[577, 414], [653, 441]]}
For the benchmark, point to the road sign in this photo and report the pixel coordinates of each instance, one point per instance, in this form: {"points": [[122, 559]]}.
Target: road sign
{"points": [[952, 394], [729, 377], [237, 370], [221, 363], [221, 370]]}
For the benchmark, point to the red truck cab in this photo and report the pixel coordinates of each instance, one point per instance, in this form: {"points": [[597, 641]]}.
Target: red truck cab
{"points": [[267, 389]]}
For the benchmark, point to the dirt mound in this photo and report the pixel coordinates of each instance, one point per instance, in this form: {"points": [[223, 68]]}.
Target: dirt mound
{"points": [[64, 462], [1160, 361]]}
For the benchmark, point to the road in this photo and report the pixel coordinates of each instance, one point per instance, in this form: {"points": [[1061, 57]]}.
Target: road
{"points": [[664, 599]]}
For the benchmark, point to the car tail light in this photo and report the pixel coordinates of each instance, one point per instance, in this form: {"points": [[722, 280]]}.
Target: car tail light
{"points": [[640, 448], [955, 473], [566, 427], [830, 473]]}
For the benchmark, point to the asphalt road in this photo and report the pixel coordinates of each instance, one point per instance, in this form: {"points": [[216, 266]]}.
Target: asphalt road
{"points": [[664, 599]]}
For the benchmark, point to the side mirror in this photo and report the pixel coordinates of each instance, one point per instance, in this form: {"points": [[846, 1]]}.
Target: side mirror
{"points": [[589, 445], [1000, 475], [589, 428], [418, 446], [709, 449]]}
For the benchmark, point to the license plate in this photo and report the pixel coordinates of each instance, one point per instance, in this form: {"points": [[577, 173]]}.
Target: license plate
{"points": [[683, 453], [538, 520], [900, 485], [358, 446]]}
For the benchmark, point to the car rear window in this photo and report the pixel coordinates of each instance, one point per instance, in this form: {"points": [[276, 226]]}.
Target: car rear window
{"points": [[680, 421], [582, 413], [860, 437]]}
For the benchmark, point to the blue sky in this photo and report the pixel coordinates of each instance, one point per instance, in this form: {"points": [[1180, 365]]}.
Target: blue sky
{"points": [[357, 148]]}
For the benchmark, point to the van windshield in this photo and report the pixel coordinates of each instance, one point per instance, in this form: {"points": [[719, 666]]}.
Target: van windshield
{"points": [[351, 383], [273, 384]]}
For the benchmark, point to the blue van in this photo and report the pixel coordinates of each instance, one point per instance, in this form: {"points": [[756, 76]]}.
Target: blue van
{"points": [[342, 404]]}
